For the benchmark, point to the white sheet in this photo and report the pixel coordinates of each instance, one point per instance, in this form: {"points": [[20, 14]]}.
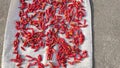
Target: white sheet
{"points": [[10, 32]]}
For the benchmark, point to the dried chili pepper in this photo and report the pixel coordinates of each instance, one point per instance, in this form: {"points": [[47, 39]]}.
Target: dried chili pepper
{"points": [[62, 17]]}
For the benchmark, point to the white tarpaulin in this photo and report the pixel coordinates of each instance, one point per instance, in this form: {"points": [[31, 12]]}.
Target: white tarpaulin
{"points": [[10, 32]]}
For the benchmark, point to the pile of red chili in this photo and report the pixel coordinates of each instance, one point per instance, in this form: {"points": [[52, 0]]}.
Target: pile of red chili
{"points": [[57, 24]]}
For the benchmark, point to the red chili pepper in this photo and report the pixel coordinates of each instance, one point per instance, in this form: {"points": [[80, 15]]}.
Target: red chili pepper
{"points": [[39, 57], [15, 48], [23, 48], [13, 60], [17, 35], [16, 42], [15, 52], [84, 54], [71, 63], [79, 57], [19, 64], [81, 38], [33, 64], [61, 17], [29, 56], [36, 50]]}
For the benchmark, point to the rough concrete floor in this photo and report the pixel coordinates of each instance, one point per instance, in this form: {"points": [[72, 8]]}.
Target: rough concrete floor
{"points": [[106, 31]]}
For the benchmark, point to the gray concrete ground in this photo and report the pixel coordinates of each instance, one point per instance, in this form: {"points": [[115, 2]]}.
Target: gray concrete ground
{"points": [[106, 31], [4, 6]]}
